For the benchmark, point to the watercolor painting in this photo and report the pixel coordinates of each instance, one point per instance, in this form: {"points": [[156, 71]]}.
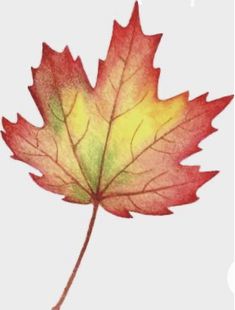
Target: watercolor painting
{"points": [[116, 145]]}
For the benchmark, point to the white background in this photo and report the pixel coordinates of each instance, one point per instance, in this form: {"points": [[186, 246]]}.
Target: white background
{"points": [[147, 263]]}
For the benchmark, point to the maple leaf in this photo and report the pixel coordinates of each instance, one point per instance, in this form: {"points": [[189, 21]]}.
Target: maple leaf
{"points": [[117, 145]]}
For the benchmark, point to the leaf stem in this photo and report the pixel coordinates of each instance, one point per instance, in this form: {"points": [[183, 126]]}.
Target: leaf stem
{"points": [[79, 260]]}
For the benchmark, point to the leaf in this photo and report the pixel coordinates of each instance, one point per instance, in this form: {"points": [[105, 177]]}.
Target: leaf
{"points": [[117, 144]]}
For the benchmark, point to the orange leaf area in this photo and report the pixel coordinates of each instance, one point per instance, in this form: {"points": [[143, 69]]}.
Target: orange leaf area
{"points": [[117, 144]]}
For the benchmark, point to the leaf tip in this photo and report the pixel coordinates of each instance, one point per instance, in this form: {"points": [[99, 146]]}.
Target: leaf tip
{"points": [[19, 117], [67, 53], [205, 95], [124, 213], [66, 49], [157, 73], [35, 177], [129, 216], [116, 26], [221, 103], [3, 121], [31, 91], [3, 134], [227, 99], [136, 7], [33, 70], [186, 95], [158, 37], [6, 123], [163, 212], [14, 157], [46, 50], [208, 175], [135, 17]]}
